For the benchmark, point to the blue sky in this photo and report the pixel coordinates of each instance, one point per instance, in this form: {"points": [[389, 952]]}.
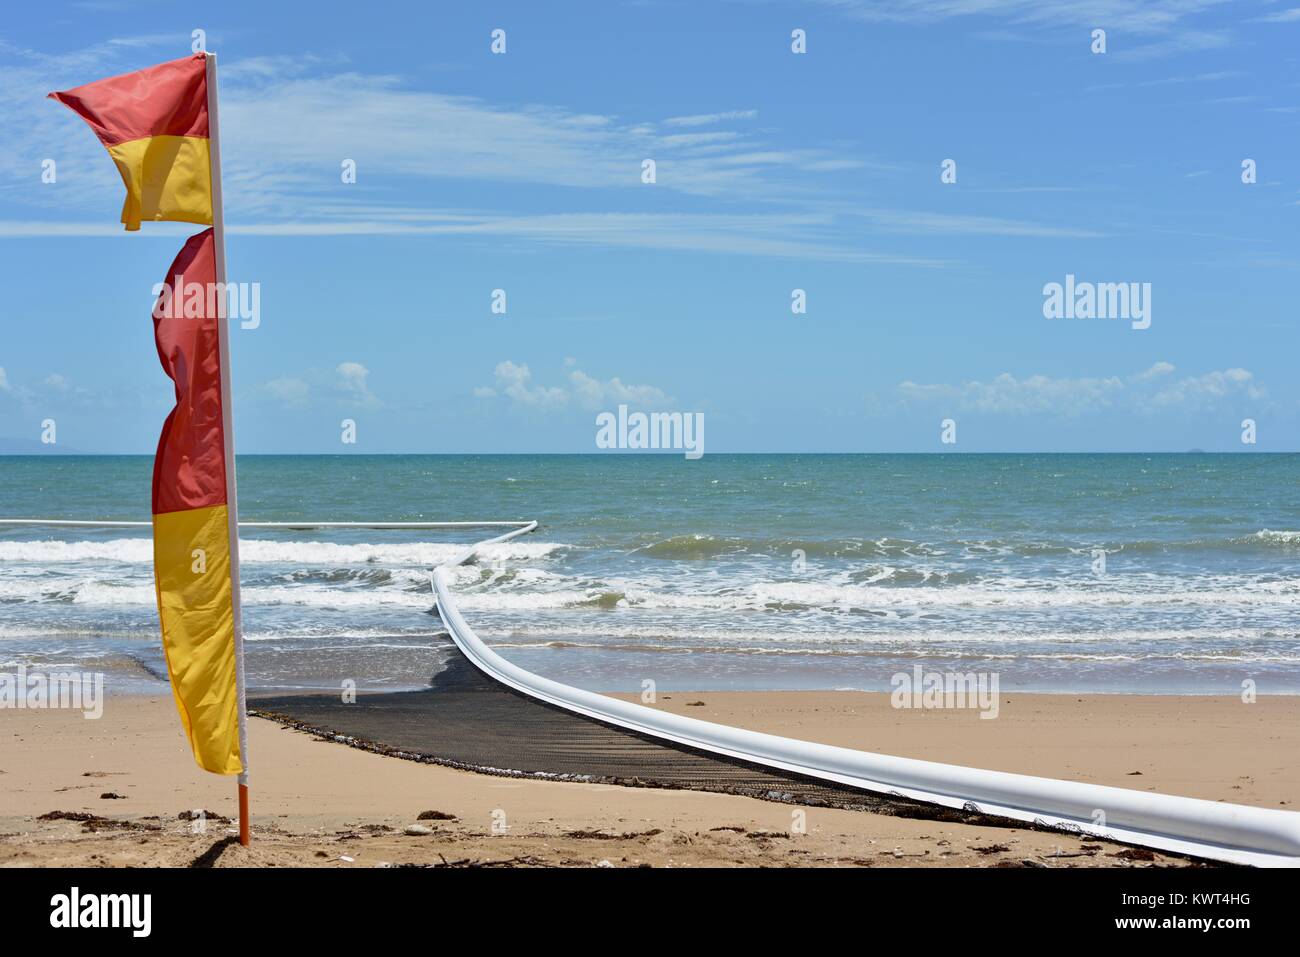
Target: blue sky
{"points": [[775, 171]]}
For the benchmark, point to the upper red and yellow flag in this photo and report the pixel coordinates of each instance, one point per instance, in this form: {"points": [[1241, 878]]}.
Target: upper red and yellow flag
{"points": [[154, 123]]}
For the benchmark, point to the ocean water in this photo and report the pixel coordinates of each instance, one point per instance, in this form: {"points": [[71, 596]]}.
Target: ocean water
{"points": [[731, 572]]}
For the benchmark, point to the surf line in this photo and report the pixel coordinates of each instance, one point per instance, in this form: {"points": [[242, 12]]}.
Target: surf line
{"points": [[1240, 834]]}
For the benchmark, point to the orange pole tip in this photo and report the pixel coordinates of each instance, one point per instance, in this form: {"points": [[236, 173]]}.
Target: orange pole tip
{"points": [[243, 815]]}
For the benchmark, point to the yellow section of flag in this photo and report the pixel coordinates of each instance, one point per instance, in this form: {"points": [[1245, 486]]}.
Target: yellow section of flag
{"points": [[167, 178], [192, 572]]}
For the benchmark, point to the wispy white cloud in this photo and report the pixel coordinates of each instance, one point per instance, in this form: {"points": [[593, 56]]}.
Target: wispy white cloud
{"points": [[1198, 392], [296, 139], [1163, 81], [1183, 41], [289, 391], [1156, 369], [800, 235], [1166, 27], [1211, 77], [347, 385], [514, 381], [953, 224], [37, 229], [1281, 16], [1005, 394], [34, 392], [709, 119], [1138, 16], [785, 235], [592, 393], [352, 381], [1153, 389]]}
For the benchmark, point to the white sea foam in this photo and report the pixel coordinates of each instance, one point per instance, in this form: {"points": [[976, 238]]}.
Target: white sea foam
{"points": [[849, 650], [538, 591], [839, 596], [301, 632], [667, 634], [1268, 535]]}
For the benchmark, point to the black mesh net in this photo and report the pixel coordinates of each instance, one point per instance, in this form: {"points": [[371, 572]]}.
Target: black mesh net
{"points": [[466, 719]]}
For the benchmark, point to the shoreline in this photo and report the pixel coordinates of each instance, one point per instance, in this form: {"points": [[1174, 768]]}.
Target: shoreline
{"points": [[317, 802]]}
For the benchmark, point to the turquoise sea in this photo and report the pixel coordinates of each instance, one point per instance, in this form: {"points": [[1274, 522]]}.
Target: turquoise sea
{"points": [[733, 571]]}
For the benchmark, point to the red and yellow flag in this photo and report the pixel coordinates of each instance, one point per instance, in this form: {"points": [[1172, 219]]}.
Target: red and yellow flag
{"points": [[191, 528], [154, 123]]}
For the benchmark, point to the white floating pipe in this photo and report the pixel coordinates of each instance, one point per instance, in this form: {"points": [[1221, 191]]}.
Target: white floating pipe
{"points": [[297, 526], [472, 550], [1234, 833]]}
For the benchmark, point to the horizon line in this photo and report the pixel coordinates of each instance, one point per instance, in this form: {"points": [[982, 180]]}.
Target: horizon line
{"points": [[663, 453]]}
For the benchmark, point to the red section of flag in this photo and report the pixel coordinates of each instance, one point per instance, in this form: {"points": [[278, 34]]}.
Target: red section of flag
{"points": [[170, 99], [189, 470]]}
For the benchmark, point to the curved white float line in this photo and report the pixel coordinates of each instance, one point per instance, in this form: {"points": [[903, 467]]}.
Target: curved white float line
{"points": [[294, 526], [1224, 832]]}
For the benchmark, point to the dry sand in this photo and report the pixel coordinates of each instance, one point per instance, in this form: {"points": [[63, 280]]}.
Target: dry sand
{"points": [[322, 803]]}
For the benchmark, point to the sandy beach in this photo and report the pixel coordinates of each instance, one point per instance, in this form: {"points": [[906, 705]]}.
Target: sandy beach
{"points": [[320, 803]]}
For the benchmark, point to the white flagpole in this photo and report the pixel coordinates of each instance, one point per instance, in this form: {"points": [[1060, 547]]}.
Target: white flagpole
{"points": [[227, 428]]}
